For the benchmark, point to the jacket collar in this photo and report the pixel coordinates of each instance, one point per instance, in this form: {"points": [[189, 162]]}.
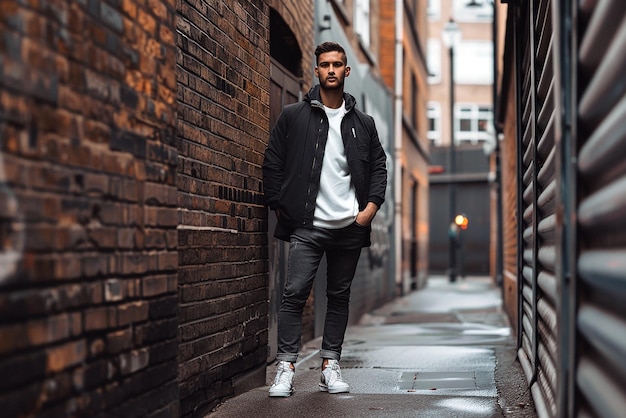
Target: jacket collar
{"points": [[313, 97]]}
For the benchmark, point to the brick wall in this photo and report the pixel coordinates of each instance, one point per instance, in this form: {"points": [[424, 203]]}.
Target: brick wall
{"points": [[88, 208], [223, 125], [387, 38]]}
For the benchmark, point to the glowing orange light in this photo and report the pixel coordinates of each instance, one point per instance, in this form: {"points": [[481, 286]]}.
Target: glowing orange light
{"points": [[461, 221]]}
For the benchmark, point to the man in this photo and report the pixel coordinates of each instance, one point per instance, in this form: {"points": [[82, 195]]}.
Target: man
{"points": [[325, 177]]}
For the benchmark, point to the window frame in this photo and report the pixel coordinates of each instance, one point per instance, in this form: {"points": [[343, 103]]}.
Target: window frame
{"points": [[433, 10], [434, 60], [477, 112], [433, 112], [472, 14], [362, 21]]}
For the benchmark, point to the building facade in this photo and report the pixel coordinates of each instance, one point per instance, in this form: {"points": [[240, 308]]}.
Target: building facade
{"points": [[403, 34]]}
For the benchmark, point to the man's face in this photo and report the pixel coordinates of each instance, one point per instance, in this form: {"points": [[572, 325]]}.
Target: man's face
{"points": [[331, 70]]}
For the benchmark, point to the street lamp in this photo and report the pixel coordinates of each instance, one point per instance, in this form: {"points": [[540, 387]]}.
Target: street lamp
{"points": [[451, 37]]}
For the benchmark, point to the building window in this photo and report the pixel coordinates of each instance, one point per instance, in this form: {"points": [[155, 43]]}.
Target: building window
{"points": [[473, 62], [473, 10], [434, 9], [471, 123], [362, 21], [433, 51], [414, 97], [434, 123]]}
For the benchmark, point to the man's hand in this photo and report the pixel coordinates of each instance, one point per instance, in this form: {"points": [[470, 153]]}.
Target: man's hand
{"points": [[365, 217]]}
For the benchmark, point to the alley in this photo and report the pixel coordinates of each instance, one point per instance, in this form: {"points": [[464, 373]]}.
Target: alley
{"points": [[444, 351], [140, 272]]}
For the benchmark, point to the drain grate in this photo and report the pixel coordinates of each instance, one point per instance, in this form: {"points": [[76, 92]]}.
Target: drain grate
{"points": [[437, 380]]}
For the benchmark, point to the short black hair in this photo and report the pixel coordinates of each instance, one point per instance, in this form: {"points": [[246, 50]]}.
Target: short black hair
{"points": [[329, 47]]}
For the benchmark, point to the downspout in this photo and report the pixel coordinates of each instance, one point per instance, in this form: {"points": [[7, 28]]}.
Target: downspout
{"points": [[499, 273], [397, 181]]}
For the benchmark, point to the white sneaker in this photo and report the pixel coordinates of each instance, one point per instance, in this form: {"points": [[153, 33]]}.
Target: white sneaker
{"points": [[331, 380], [283, 382]]}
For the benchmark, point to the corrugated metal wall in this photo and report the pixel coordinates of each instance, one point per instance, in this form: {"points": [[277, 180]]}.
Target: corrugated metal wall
{"points": [[571, 139], [600, 378], [538, 185]]}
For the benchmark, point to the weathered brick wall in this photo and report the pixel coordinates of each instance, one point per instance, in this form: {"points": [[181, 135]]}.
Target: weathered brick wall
{"points": [[88, 208], [223, 125]]}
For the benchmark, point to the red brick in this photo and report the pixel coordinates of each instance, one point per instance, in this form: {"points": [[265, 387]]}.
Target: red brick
{"points": [[132, 312], [67, 355], [99, 318], [133, 361], [119, 340], [154, 285], [48, 330], [13, 338]]}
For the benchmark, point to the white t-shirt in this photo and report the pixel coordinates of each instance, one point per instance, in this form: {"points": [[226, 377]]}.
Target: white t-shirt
{"points": [[336, 205]]}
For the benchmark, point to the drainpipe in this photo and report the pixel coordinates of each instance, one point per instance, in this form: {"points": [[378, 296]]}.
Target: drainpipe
{"points": [[499, 273], [397, 181]]}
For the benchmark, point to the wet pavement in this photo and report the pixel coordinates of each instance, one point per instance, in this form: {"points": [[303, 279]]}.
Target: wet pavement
{"points": [[443, 351]]}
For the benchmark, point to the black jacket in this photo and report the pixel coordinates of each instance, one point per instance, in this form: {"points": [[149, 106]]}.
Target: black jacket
{"points": [[293, 160]]}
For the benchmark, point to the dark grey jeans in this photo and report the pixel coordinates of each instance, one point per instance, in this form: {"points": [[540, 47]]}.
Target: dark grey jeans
{"points": [[306, 248]]}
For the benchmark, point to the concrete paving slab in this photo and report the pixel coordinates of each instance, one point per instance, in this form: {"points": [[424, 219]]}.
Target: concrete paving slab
{"points": [[437, 380]]}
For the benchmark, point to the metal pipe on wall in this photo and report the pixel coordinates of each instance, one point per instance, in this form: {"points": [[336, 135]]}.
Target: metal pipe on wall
{"points": [[397, 170]]}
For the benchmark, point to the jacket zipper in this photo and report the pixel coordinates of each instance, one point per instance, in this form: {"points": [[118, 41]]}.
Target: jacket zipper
{"points": [[308, 193]]}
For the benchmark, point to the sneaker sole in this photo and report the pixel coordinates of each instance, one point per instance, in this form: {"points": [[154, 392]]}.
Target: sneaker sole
{"points": [[280, 394], [324, 388]]}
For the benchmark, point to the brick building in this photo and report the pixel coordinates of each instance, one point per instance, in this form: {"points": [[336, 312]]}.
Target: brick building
{"points": [[403, 33], [133, 258]]}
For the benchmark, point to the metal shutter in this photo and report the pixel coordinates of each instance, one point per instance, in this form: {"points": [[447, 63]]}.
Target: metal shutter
{"points": [[538, 318], [600, 377]]}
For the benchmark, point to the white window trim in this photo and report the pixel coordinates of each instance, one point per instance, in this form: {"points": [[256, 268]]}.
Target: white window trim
{"points": [[434, 112], [476, 113], [433, 10], [433, 57], [477, 14], [362, 21]]}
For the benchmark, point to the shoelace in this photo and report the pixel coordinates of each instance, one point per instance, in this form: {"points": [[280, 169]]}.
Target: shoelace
{"points": [[335, 373], [284, 377]]}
